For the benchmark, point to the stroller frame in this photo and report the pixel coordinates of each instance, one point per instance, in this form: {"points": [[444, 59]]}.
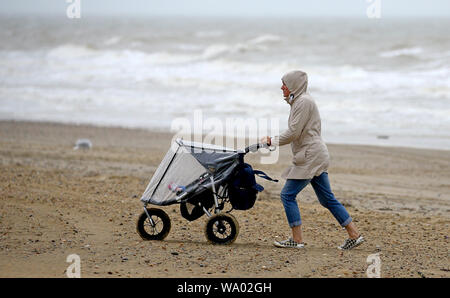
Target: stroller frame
{"points": [[208, 214]]}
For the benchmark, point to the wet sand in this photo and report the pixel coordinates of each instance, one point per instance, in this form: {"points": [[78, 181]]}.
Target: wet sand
{"points": [[56, 201]]}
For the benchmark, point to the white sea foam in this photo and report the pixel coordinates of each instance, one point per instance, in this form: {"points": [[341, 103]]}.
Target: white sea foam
{"points": [[112, 41], [252, 45], [267, 38], [413, 51], [70, 51]]}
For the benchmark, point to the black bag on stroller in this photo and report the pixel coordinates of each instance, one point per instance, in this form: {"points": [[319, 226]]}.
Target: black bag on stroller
{"points": [[243, 189]]}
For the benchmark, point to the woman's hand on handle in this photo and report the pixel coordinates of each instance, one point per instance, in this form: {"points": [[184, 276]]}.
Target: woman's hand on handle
{"points": [[267, 140]]}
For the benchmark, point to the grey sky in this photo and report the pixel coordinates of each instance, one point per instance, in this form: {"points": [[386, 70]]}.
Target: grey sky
{"points": [[262, 8]]}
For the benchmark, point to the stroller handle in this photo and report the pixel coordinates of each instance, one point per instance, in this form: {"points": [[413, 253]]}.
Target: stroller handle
{"points": [[255, 147]]}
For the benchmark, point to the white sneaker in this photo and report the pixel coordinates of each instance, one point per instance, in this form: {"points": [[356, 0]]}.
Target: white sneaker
{"points": [[289, 243], [352, 243]]}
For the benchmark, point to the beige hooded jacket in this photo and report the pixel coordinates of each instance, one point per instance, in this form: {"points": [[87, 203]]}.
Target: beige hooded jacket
{"points": [[310, 154]]}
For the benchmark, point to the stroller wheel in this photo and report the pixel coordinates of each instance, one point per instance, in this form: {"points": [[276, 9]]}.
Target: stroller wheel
{"points": [[158, 230], [222, 229]]}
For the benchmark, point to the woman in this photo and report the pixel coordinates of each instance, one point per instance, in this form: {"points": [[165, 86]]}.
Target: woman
{"points": [[310, 162]]}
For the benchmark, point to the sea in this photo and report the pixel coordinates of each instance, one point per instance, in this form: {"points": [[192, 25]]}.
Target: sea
{"points": [[375, 81]]}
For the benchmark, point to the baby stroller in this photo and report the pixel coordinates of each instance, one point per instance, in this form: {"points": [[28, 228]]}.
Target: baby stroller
{"points": [[202, 178]]}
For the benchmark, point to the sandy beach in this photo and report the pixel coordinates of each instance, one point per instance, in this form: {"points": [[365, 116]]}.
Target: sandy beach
{"points": [[56, 201]]}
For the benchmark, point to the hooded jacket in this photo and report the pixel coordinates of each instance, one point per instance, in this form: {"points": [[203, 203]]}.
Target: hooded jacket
{"points": [[310, 154]]}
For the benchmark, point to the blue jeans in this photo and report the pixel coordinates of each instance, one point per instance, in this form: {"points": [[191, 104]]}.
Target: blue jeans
{"points": [[321, 186]]}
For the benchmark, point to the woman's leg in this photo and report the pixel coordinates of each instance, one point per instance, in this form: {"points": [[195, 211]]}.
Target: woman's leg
{"points": [[322, 188], [289, 199]]}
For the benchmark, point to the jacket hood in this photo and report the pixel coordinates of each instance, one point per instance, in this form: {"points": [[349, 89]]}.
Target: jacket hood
{"points": [[297, 83]]}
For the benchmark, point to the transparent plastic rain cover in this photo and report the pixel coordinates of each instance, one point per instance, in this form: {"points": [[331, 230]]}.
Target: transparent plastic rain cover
{"points": [[185, 168]]}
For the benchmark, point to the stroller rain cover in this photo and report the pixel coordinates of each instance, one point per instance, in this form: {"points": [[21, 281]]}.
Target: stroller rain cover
{"points": [[186, 169]]}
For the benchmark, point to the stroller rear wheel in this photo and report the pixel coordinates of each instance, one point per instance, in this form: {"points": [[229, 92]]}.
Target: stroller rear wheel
{"points": [[156, 229], [222, 229]]}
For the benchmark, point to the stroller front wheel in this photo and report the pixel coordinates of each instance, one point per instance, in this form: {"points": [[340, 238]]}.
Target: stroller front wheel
{"points": [[156, 229], [222, 229]]}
